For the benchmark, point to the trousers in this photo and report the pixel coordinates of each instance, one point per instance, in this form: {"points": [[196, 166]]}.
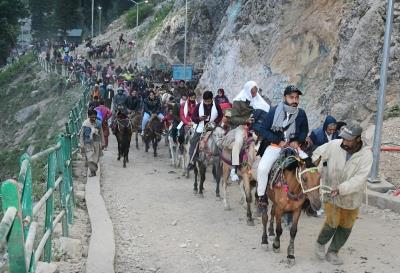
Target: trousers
{"points": [[238, 144], [338, 225], [268, 159]]}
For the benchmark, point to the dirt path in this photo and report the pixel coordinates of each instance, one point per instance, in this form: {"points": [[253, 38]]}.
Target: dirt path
{"points": [[160, 226]]}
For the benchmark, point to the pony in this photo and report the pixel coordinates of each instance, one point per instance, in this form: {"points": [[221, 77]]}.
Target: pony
{"points": [[208, 156], [153, 133], [290, 183]]}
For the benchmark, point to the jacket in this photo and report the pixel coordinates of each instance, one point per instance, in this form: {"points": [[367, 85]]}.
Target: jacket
{"points": [[186, 119], [349, 177], [260, 118], [241, 111], [152, 106], [318, 136], [276, 137], [207, 112]]}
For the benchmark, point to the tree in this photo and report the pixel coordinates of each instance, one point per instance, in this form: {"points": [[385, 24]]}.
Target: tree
{"points": [[67, 14], [42, 15], [10, 12]]}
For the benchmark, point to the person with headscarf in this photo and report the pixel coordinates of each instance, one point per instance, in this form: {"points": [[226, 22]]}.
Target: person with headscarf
{"points": [[120, 102], [286, 125], [220, 98], [243, 105]]}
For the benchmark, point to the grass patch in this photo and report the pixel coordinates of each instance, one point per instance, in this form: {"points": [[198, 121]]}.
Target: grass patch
{"points": [[17, 68], [145, 10], [393, 112], [158, 18]]}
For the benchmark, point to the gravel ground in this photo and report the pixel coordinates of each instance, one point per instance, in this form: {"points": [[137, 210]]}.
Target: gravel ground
{"points": [[160, 226]]}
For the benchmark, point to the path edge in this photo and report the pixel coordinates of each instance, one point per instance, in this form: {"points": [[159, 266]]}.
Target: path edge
{"points": [[101, 252]]}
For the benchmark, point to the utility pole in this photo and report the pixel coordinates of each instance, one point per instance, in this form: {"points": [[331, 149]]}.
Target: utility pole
{"points": [[376, 149], [92, 18], [99, 7], [137, 23], [185, 44]]}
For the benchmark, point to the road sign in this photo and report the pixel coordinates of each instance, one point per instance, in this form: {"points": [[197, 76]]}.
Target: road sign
{"points": [[178, 72]]}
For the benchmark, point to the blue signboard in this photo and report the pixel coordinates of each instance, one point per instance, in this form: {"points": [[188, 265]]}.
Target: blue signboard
{"points": [[178, 72]]}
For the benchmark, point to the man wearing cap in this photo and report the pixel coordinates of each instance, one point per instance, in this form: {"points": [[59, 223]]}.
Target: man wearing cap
{"points": [[346, 163], [285, 125]]}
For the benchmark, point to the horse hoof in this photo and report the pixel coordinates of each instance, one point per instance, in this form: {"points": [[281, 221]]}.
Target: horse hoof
{"points": [[118, 158], [276, 249], [218, 198], [271, 233], [226, 208], [201, 195], [194, 191], [124, 166], [291, 260], [264, 240], [250, 222]]}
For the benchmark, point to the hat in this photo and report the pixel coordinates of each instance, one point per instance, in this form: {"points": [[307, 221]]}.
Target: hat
{"points": [[351, 131], [290, 89]]}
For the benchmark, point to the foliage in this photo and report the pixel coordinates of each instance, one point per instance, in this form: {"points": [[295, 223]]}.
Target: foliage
{"points": [[393, 112], [10, 12], [145, 10], [157, 21], [42, 16], [66, 14], [15, 69]]}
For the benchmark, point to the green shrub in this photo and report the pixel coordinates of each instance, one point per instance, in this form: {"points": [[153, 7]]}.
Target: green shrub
{"points": [[157, 21], [145, 10], [393, 112], [16, 69]]}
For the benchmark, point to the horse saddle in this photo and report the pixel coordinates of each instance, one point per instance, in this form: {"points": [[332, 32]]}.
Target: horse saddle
{"points": [[287, 157], [203, 141]]}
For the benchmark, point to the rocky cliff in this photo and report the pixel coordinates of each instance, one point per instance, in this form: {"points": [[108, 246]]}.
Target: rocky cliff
{"points": [[331, 49]]}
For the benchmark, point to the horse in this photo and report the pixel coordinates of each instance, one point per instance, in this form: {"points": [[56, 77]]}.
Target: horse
{"points": [[153, 133], [123, 129], [247, 183], [173, 147], [137, 119], [208, 155], [290, 183], [184, 150]]}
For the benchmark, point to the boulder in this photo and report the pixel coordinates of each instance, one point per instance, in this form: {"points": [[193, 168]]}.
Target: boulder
{"points": [[27, 113], [71, 248]]}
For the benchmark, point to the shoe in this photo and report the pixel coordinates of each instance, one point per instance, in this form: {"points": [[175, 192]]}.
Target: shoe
{"points": [[190, 166], [320, 212], [262, 204], [234, 176], [333, 258], [142, 134], [319, 251]]}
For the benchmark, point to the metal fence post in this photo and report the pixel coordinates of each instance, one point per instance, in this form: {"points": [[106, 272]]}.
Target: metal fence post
{"points": [[67, 194], [25, 180], [51, 178], [15, 241], [61, 164]]}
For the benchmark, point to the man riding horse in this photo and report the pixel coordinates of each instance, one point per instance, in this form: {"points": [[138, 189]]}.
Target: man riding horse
{"points": [[243, 105], [286, 125], [205, 112]]}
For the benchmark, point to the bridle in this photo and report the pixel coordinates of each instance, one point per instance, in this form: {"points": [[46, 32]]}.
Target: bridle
{"points": [[299, 178]]}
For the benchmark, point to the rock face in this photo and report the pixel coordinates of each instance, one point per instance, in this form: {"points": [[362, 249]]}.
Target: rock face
{"points": [[26, 113], [330, 49]]}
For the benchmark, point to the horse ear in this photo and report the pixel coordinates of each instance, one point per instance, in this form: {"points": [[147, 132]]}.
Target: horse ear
{"points": [[316, 163]]}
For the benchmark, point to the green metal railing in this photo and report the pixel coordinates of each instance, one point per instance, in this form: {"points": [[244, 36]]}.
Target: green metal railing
{"points": [[18, 227]]}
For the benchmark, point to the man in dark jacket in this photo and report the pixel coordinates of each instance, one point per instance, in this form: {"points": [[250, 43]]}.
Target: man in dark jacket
{"points": [[151, 106], [286, 125]]}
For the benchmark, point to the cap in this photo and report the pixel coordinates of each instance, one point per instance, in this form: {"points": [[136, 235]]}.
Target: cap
{"points": [[351, 131], [290, 89]]}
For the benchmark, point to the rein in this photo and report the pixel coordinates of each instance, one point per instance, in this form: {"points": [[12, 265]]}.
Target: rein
{"points": [[299, 178]]}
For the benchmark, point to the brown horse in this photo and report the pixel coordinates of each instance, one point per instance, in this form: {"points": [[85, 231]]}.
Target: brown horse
{"points": [[136, 119], [288, 188], [123, 129], [153, 133]]}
